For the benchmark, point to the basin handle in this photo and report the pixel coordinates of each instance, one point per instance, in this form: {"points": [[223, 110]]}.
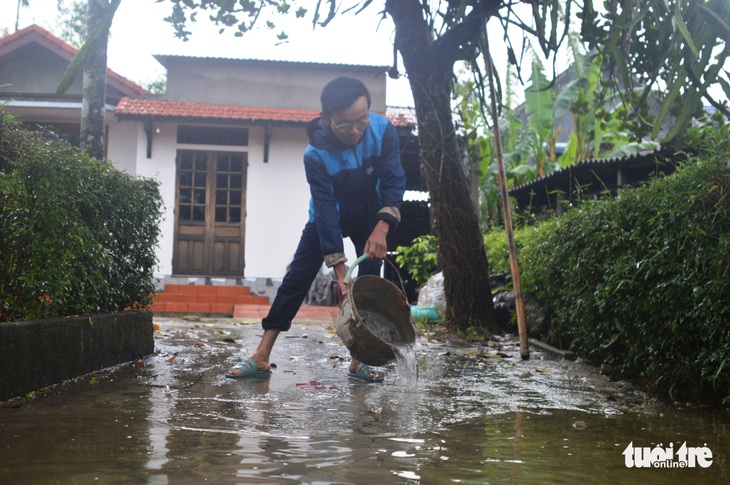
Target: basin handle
{"points": [[362, 258], [357, 261]]}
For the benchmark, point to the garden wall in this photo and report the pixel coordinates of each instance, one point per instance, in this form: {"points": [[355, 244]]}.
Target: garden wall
{"points": [[36, 354]]}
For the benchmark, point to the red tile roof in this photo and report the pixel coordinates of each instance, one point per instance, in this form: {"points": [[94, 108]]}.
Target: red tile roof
{"points": [[37, 34], [141, 108]]}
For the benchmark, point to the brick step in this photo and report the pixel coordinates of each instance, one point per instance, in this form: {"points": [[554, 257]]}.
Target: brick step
{"points": [[205, 299], [208, 290], [308, 313], [191, 298]]}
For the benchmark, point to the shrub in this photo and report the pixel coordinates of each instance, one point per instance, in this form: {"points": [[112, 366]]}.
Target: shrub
{"points": [[76, 235], [641, 282], [420, 258]]}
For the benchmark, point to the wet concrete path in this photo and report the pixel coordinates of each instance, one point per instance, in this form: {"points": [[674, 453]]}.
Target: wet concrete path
{"points": [[478, 414]]}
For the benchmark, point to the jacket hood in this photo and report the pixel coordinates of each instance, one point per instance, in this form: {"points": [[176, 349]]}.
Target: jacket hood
{"points": [[321, 136]]}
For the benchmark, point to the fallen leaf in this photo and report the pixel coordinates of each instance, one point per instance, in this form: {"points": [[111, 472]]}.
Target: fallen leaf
{"points": [[545, 369], [172, 359], [156, 326]]}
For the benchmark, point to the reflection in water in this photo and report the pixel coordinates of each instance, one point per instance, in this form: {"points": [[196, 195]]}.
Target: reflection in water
{"points": [[474, 415]]}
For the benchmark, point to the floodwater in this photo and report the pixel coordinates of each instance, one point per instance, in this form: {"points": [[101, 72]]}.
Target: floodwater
{"points": [[475, 414]]}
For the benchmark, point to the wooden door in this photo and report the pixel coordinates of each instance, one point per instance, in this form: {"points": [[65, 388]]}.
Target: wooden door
{"points": [[210, 213]]}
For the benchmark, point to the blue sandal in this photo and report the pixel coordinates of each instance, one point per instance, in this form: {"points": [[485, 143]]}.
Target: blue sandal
{"points": [[248, 369], [362, 371]]}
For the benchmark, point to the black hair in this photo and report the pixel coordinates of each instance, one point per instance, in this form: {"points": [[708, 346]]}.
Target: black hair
{"points": [[340, 93]]}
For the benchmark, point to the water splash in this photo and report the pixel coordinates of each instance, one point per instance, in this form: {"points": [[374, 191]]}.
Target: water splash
{"points": [[406, 365]]}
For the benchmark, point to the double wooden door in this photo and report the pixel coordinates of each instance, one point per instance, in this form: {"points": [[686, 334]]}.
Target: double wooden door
{"points": [[210, 213]]}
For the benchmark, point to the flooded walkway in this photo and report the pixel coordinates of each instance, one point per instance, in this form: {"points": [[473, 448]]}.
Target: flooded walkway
{"points": [[478, 414]]}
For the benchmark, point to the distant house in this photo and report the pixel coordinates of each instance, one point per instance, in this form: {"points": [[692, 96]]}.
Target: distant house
{"points": [[225, 141], [32, 62], [592, 179]]}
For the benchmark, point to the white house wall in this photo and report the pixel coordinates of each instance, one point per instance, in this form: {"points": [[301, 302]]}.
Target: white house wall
{"points": [[122, 146], [277, 193], [160, 167], [269, 85], [277, 202]]}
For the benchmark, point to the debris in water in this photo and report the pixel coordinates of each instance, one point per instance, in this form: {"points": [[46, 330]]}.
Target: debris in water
{"points": [[580, 425], [612, 411]]}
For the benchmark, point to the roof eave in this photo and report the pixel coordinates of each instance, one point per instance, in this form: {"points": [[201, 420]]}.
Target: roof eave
{"points": [[121, 116]]}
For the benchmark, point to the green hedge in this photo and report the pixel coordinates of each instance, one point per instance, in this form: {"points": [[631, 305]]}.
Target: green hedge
{"points": [[77, 236], [642, 282]]}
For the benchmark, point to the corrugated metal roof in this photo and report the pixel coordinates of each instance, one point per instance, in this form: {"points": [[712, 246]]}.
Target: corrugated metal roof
{"points": [[163, 59], [587, 164]]}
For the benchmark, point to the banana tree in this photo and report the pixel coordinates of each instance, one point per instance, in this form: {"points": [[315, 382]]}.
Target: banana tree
{"points": [[541, 136]]}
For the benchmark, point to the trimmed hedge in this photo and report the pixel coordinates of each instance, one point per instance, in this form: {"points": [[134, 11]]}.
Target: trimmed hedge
{"points": [[642, 282], [77, 236]]}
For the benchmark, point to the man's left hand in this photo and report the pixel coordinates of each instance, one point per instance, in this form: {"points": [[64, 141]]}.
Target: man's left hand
{"points": [[377, 244]]}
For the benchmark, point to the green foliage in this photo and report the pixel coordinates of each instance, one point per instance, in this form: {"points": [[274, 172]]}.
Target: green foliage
{"points": [[76, 235], [641, 282], [72, 17], [421, 258], [91, 45], [495, 242], [676, 48]]}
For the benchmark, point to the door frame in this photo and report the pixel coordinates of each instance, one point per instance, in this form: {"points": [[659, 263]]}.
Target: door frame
{"points": [[209, 226]]}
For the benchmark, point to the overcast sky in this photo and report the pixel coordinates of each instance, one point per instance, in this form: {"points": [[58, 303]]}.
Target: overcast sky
{"points": [[139, 32]]}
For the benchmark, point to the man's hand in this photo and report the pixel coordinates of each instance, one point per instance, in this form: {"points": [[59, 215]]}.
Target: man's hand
{"points": [[340, 273], [377, 244]]}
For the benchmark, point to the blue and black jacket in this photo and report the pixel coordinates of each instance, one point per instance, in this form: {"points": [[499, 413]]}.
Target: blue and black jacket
{"points": [[353, 187]]}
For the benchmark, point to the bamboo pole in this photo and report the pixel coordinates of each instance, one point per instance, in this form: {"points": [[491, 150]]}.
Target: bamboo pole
{"points": [[514, 266]]}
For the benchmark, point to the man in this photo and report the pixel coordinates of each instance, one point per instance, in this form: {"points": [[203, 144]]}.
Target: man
{"points": [[357, 183]]}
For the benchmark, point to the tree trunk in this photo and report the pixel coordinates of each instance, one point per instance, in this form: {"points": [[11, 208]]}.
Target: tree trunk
{"points": [[461, 245], [93, 126]]}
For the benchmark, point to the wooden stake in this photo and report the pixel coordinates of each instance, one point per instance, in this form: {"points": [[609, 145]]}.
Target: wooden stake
{"points": [[514, 266]]}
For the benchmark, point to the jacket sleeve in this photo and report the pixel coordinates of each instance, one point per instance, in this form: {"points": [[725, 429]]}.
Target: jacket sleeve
{"points": [[326, 213], [392, 178]]}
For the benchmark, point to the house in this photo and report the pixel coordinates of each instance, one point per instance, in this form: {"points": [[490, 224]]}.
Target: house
{"points": [[225, 142]]}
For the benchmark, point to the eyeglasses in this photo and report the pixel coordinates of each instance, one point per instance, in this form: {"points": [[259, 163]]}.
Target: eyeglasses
{"points": [[360, 124]]}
